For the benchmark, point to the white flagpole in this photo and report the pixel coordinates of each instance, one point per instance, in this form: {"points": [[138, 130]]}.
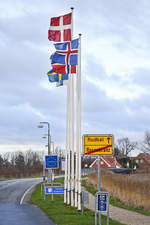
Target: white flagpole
{"points": [[76, 170], [72, 129], [78, 124], [77, 148], [67, 146], [72, 146], [79, 121], [69, 139]]}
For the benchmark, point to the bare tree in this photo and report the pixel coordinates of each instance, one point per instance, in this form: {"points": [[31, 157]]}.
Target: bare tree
{"points": [[6, 163], [1, 162], [146, 143], [125, 146], [19, 161]]}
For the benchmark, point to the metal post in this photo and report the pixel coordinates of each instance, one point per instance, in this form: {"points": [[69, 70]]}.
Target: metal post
{"points": [[79, 121], [108, 209], [95, 212], [72, 127], [82, 203], [44, 172], [49, 140], [67, 147], [99, 184], [41, 189], [49, 150], [69, 143]]}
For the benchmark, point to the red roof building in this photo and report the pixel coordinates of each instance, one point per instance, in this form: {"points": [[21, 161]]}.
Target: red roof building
{"points": [[106, 162], [142, 159]]}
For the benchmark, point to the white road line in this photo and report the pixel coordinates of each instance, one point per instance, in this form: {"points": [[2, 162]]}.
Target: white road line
{"points": [[21, 201]]}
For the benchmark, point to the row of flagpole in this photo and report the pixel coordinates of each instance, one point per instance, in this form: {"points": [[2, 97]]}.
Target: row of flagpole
{"points": [[61, 30], [72, 181]]}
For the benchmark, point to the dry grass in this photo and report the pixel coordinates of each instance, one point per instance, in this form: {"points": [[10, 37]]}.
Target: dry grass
{"points": [[133, 190]]}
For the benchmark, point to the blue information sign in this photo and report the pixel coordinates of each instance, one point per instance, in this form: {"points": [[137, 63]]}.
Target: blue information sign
{"points": [[54, 190], [102, 202], [51, 161]]}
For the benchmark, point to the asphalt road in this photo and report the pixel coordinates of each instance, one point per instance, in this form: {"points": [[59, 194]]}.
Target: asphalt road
{"points": [[14, 213]]}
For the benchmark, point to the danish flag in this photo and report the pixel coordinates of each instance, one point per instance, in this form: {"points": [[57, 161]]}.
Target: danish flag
{"points": [[60, 28]]}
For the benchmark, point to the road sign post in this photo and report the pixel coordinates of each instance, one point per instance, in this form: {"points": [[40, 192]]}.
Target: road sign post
{"points": [[99, 185], [54, 190], [51, 161], [84, 200], [102, 204], [98, 145]]}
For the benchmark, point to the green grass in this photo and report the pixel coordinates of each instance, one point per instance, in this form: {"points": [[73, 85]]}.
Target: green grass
{"points": [[62, 214], [114, 201], [89, 187]]}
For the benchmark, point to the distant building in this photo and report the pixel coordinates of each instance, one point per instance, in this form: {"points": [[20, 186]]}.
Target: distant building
{"points": [[143, 159], [106, 162]]}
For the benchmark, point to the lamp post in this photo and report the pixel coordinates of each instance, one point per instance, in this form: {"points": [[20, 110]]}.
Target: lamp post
{"points": [[52, 142], [49, 137], [49, 147]]}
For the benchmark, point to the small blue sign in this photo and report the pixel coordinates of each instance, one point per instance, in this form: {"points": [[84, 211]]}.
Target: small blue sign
{"points": [[102, 202], [51, 161], [54, 190], [42, 163]]}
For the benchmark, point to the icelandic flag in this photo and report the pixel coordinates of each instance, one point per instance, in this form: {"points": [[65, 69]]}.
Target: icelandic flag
{"points": [[57, 77], [60, 28], [65, 59]]}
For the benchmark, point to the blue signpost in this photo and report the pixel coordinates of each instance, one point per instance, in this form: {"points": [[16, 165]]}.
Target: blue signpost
{"points": [[102, 202], [102, 205], [54, 190], [51, 161]]}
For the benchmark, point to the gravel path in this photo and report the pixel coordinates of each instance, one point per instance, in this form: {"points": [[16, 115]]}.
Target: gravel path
{"points": [[122, 215]]}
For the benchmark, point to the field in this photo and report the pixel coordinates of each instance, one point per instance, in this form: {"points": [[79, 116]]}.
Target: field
{"points": [[132, 190]]}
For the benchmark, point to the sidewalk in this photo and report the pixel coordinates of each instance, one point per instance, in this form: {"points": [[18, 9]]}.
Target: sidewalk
{"points": [[122, 215]]}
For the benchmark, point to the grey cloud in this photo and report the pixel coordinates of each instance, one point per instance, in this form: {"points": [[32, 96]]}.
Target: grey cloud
{"points": [[24, 64]]}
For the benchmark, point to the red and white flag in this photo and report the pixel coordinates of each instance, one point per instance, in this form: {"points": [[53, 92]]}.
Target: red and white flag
{"points": [[60, 28]]}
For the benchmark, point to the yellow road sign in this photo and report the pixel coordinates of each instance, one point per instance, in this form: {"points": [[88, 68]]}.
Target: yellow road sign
{"points": [[98, 144]]}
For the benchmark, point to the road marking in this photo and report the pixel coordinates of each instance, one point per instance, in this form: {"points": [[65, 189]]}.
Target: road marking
{"points": [[21, 201]]}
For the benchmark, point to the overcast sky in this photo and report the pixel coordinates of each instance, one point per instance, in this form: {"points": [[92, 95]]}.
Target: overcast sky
{"points": [[115, 70]]}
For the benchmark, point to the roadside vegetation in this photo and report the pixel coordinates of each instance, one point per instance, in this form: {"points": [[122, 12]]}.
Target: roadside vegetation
{"points": [[62, 214], [131, 192]]}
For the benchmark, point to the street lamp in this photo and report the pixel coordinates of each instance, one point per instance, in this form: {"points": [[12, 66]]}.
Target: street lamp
{"points": [[52, 142], [41, 125], [49, 139]]}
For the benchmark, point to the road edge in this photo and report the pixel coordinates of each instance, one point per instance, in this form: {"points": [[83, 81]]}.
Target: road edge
{"points": [[27, 194]]}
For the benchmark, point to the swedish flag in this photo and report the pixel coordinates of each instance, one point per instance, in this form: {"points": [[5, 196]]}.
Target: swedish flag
{"points": [[57, 77]]}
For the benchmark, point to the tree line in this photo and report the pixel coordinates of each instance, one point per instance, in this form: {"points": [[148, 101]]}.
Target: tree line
{"points": [[20, 164], [28, 163]]}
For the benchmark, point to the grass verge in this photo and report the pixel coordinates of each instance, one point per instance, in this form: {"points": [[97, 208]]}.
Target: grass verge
{"points": [[114, 201], [62, 214]]}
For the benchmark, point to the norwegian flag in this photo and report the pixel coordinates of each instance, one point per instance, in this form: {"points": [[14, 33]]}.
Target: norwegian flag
{"points": [[60, 28]]}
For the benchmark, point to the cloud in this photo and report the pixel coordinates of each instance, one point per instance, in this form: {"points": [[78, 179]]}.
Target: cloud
{"points": [[115, 70]]}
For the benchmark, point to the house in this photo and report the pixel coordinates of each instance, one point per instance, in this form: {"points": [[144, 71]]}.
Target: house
{"points": [[143, 160], [106, 162]]}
